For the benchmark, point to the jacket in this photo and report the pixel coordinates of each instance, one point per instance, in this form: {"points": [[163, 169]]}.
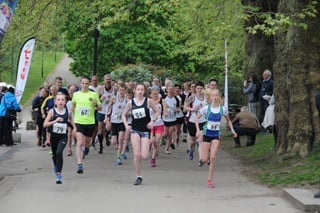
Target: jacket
{"points": [[8, 101]]}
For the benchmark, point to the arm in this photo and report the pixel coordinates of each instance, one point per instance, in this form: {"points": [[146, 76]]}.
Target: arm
{"points": [[230, 125], [198, 132], [155, 109], [124, 114], [186, 106], [47, 121]]}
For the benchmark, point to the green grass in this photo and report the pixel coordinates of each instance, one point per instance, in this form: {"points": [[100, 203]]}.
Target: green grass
{"points": [[35, 78], [272, 170]]}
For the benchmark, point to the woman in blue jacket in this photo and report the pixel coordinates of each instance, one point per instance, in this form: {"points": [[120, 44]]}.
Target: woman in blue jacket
{"points": [[8, 101]]}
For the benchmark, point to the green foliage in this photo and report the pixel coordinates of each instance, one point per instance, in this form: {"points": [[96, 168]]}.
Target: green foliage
{"points": [[270, 23], [138, 73]]}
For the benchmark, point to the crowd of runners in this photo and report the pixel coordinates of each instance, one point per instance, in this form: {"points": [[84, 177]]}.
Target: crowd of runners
{"points": [[130, 115]]}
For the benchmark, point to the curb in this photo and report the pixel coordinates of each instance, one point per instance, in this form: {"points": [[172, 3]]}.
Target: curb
{"points": [[302, 199]]}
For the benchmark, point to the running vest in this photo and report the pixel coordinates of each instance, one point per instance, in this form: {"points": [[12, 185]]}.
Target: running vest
{"points": [[171, 109], [140, 116], [84, 112], [197, 102], [106, 101], [211, 127], [117, 109], [179, 113], [60, 128], [159, 121]]}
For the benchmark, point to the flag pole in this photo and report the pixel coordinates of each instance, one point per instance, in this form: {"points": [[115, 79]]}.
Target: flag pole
{"points": [[226, 95]]}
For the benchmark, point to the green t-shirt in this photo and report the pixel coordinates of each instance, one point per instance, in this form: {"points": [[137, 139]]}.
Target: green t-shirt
{"points": [[84, 111]]}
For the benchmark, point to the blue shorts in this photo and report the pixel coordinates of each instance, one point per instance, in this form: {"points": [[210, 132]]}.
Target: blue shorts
{"points": [[100, 117], [141, 134]]}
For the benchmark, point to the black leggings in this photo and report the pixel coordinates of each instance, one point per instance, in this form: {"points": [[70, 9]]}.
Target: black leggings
{"points": [[57, 147]]}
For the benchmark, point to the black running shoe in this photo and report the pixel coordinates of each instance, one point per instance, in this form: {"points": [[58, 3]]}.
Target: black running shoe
{"points": [[80, 169], [138, 181], [172, 146]]}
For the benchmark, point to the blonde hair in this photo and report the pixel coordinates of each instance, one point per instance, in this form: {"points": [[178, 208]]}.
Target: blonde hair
{"points": [[208, 94]]}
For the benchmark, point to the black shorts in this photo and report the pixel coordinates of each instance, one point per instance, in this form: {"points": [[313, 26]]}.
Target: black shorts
{"points": [[192, 128], [86, 129], [170, 123], [116, 128], [209, 139], [180, 120]]}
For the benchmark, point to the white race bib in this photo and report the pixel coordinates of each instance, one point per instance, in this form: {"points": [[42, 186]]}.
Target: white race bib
{"points": [[139, 113], [84, 111], [213, 125], [59, 128]]}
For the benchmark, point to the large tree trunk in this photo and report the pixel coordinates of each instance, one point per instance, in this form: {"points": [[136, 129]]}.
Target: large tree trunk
{"points": [[295, 58], [259, 47], [297, 75]]}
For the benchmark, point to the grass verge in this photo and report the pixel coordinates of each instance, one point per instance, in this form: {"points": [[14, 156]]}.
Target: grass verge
{"points": [[276, 171]]}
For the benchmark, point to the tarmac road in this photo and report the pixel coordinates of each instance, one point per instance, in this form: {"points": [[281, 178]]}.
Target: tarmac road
{"points": [[176, 185]]}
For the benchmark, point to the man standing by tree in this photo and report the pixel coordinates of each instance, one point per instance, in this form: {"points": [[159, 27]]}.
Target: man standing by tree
{"points": [[265, 92]]}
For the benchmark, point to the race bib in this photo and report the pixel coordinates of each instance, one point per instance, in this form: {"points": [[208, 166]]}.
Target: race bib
{"points": [[84, 111], [214, 126], [59, 128], [139, 113], [117, 116]]}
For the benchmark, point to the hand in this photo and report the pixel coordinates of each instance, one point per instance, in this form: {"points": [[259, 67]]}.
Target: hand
{"points": [[59, 119], [150, 125], [235, 135], [198, 134]]}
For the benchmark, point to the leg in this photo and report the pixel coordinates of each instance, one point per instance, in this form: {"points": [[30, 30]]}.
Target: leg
{"points": [[213, 152], [136, 146]]}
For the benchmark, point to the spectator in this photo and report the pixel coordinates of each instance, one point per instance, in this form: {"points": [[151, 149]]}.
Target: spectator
{"points": [[8, 102], [245, 123], [266, 89], [251, 87], [36, 114]]}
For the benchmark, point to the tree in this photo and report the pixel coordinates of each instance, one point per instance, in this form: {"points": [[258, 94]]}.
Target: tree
{"points": [[294, 57]]}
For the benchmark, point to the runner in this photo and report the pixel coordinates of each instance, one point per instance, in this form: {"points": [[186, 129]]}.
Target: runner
{"points": [[116, 107], [84, 103], [125, 148], [213, 113], [57, 124], [179, 113], [141, 125], [157, 130], [169, 117], [106, 92], [193, 104]]}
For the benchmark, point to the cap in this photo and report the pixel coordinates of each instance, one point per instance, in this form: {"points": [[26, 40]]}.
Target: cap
{"points": [[155, 87]]}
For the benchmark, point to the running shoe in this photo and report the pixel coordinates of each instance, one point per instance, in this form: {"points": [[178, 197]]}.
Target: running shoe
{"points": [[168, 151], [100, 150], [118, 161], [190, 155], [69, 152], [80, 169], [153, 163], [58, 178], [86, 151], [124, 156], [210, 184], [200, 163], [172, 146], [138, 181]]}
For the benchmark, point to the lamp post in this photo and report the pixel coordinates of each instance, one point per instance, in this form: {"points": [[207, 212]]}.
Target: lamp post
{"points": [[95, 50]]}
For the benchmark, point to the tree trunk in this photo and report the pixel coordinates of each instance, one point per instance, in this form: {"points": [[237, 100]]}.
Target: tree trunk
{"points": [[295, 58], [259, 47], [296, 74]]}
